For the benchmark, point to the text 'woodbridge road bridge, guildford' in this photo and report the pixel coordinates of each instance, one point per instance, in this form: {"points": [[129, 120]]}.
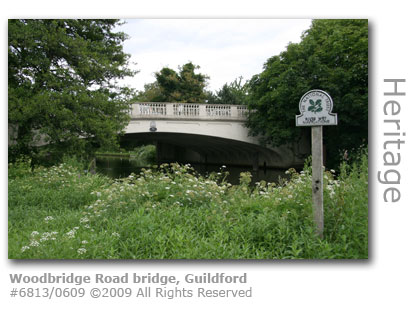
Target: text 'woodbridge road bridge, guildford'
{"points": [[206, 134]]}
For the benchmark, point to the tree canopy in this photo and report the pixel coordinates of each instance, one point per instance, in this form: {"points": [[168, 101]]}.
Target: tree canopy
{"points": [[332, 56], [62, 85], [231, 93], [171, 86]]}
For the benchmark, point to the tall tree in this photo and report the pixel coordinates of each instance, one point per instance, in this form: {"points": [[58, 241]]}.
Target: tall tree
{"points": [[62, 85], [332, 56], [231, 93], [171, 86]]}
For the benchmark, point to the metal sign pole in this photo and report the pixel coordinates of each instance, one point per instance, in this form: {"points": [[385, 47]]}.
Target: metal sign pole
{"points": [[317, 178]]}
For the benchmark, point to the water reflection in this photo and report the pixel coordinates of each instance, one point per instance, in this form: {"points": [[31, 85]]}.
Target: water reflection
{"points": [[118, 167]]}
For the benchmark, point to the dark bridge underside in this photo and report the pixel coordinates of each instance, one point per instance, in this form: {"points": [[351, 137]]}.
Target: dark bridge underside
{"points": [[207, 149]]}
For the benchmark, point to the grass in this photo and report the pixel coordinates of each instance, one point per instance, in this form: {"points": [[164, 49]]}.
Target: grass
{"points": [[173, 213]]}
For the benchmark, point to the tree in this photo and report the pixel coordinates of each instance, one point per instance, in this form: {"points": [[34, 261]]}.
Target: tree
{"points": [[332, 56], [172, 86], [232, 93], [62, 85]]}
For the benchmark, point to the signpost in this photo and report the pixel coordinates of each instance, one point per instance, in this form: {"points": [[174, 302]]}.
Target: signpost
{"points": [[315, 108]]}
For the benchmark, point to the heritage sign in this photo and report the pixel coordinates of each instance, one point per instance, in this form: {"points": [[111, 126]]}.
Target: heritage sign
{"points": [[315, 108]]}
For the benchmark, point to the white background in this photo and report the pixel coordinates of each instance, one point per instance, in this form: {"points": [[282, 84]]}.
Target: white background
{"points": [[377, 288]]}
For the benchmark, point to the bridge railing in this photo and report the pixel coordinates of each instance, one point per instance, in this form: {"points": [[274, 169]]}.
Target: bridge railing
{"points": [[188, 110]]}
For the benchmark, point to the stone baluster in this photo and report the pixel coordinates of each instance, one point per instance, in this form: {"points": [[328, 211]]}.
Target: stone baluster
{"points": [[135, 110], [234, 112], [202, 110], [169, 109]]}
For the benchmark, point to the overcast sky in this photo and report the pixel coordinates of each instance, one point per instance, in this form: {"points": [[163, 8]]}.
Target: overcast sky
{"points": [[225, 49]]}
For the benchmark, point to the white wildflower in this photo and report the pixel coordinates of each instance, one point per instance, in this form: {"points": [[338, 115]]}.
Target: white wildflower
{"points": [[25, 248], [84, 220], [70, 234], [48, 218], [34, 243], [81, 250]]}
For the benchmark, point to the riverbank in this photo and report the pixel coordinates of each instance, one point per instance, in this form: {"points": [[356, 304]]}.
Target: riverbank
{"points": [[145, 154], [63, 213]]}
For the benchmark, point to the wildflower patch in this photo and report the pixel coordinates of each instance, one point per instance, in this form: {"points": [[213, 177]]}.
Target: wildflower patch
{"points": [[174, 213]]}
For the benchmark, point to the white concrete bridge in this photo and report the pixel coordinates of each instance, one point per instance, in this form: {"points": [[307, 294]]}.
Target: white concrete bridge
{"points": [[205, 133]]}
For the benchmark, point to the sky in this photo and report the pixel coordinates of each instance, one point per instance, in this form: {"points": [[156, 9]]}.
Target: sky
{"points": [[225, 49]]}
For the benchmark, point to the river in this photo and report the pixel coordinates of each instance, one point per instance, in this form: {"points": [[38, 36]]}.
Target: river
{"points": [[120, 167]]}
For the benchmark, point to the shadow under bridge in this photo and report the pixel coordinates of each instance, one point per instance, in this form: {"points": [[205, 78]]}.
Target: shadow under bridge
{"points": [[208, 150]]}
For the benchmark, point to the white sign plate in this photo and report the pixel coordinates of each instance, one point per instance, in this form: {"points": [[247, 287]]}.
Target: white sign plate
{"points": [[315, 108]]}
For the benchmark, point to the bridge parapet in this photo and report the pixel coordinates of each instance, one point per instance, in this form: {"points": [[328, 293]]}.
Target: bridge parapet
{"points": [[176, 110]]}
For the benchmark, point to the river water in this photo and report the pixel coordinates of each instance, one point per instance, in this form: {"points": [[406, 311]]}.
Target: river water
{"points": [[120, 167]]}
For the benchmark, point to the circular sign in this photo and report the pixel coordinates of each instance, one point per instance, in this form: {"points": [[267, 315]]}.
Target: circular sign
{"points": [[315, 108]]}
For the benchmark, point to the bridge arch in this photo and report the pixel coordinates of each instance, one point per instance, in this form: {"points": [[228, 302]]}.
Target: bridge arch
{"points": [[189, 132]]}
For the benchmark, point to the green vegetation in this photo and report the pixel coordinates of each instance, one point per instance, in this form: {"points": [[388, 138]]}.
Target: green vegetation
{"points": [[187, 85], [172, 86], [63, 213], [62, 87], [142, 156], [63, 94], [231, 93], [332, 56]]}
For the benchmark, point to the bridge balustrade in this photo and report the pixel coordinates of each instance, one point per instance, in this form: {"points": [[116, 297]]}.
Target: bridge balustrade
{"points": [[188, 110], [218, 111], [242, 111], [152, 108]]}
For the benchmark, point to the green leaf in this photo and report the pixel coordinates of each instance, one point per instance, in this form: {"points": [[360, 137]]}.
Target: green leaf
{"points": [[52, 66], [339, 50]]}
